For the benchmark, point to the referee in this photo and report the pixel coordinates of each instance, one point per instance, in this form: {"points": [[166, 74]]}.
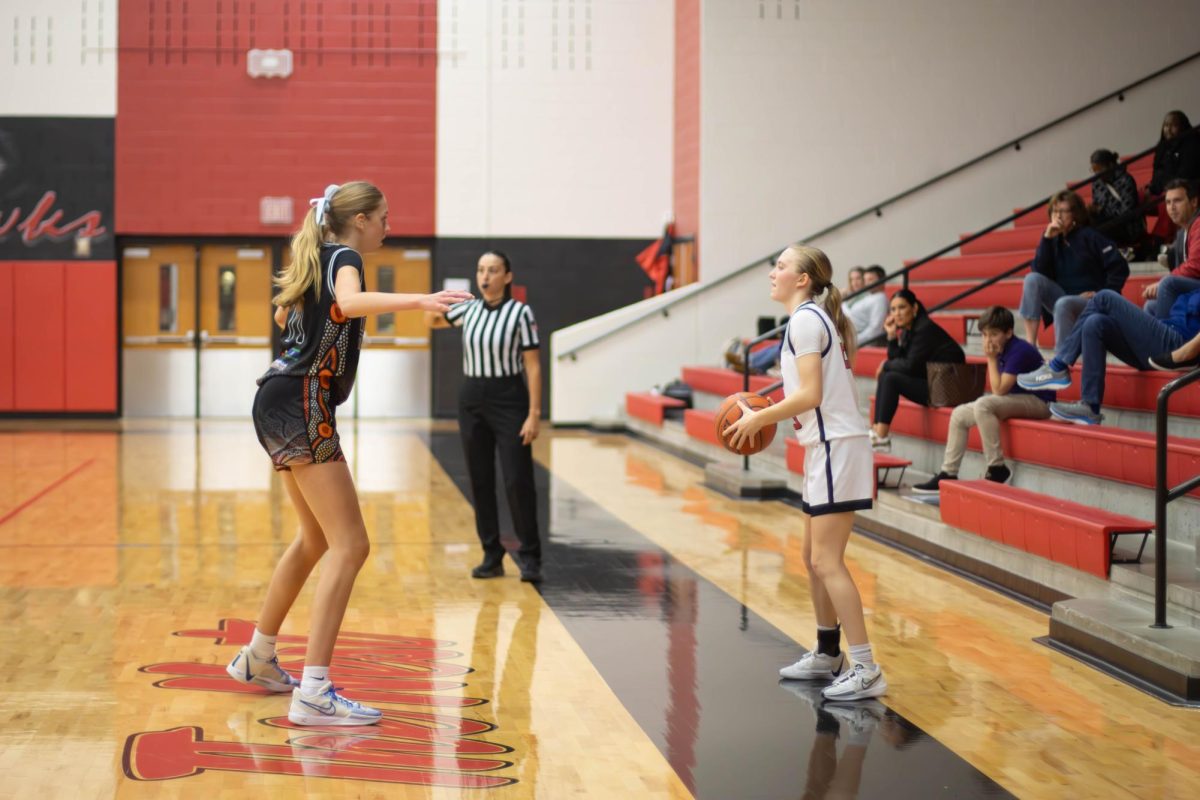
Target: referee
{"points": [[499, 408]]}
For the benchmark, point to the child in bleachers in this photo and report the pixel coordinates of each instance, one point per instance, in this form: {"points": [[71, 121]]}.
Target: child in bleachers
{"points": [[1007, 357]]}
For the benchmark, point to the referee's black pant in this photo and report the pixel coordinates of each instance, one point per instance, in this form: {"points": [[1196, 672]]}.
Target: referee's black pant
{"points": [[490, 414]]}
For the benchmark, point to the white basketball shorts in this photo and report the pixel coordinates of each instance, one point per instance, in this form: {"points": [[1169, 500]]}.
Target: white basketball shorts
{"points": [[838, 476]]}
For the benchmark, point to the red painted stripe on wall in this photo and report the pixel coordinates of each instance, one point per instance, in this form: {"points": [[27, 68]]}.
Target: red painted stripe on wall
{"points": [[686, 180]]}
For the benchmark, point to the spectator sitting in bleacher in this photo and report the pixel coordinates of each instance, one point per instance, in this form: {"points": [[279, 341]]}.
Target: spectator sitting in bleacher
{"points": [[763, 361], [914, 340], [1177, 154], [1111, 324], [868, 311], [855, 281], [1115, 196], [1007, 357], [1183, 207], [1072, 263]]}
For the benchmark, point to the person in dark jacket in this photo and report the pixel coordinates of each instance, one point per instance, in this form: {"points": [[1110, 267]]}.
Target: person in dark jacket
{"points": [[1177, 154], [1072, 263], [1115, 200], [913, 340]]}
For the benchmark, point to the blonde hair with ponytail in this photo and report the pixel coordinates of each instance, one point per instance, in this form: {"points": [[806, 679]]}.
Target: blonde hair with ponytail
{"points": [[815, 264], [346, 203]]}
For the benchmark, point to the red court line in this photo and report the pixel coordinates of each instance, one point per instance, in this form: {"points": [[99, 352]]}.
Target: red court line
{"points": [[46, 491]]}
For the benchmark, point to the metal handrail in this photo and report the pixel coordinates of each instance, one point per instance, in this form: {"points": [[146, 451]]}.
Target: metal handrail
{"points": [[1163, 495], [876, 209]]}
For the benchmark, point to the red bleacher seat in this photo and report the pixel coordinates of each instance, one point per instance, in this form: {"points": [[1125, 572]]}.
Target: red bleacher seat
{"points": [[953, 324], [1110, 453], [650, 407], [724, 382], [970, 267], [701, 425], [1023, 238], [1060, 530], [1005, 293]]}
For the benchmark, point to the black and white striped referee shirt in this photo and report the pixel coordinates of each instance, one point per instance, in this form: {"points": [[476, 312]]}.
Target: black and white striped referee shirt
{"points": [[494, 337]]}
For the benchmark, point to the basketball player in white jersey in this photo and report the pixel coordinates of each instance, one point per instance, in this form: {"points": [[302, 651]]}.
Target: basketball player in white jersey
{"points": [[821, 401]]}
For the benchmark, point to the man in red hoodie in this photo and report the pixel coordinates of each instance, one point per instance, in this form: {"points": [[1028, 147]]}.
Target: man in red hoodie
{"points": [[1183, 207]]}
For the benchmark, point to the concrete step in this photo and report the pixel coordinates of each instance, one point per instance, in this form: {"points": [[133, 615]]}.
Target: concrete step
{"points": [[1118, 632]]}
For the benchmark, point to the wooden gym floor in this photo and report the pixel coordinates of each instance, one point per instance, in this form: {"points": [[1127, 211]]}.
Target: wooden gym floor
{"points": [[133, 557]]}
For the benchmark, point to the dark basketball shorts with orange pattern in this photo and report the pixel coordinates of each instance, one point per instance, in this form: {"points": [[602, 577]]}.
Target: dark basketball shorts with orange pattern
{"points": [[295, 422]]}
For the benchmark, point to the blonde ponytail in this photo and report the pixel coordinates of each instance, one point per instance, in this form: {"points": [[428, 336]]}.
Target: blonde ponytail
{"points": [[305, 269], [833, 307], [339, 206]]}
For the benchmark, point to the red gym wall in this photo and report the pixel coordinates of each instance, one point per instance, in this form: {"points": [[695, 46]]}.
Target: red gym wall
{"points": [[686, 189], [58, 279], [199, 141], [58, 323]]}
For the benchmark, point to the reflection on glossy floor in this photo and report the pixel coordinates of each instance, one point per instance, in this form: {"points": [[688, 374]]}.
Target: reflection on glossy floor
{"points": [[131, 561]]}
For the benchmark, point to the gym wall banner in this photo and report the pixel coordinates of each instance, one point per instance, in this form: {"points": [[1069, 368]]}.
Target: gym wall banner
{"points": [[56, 189]]}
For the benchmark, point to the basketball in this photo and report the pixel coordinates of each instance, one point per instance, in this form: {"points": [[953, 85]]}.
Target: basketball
{"points": [[730, 412]]}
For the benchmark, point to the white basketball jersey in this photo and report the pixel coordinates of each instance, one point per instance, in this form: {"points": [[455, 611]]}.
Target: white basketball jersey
{"points": [[810, 330]]}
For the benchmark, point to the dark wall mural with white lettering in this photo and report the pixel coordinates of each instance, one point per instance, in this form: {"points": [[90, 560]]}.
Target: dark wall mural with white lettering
{"points": [[56, 189]]}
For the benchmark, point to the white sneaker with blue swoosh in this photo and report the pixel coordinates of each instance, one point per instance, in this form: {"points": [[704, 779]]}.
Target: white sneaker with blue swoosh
{"points": [[814, 666], [857, 684], [327, 707], [246, 668]]}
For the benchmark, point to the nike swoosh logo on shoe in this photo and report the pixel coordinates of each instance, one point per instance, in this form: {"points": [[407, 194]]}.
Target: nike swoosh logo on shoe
{"points": [[870, 683], [249, 677], [328, 711]]}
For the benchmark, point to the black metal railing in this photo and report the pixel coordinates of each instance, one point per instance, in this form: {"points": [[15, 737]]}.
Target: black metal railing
{"points": [[1163, 495], [876, 209]]}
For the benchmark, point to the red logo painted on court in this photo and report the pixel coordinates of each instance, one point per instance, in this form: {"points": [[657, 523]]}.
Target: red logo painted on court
{"points": [[430, 746]]}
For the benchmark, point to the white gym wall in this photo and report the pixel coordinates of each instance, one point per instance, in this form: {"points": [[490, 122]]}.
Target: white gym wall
{"points": [[812, 110], [554, 117], [59, 58]]}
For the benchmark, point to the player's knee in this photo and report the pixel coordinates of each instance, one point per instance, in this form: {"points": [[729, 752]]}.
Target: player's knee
{"points": [[824, 565], [312, 544], [354, 551]]}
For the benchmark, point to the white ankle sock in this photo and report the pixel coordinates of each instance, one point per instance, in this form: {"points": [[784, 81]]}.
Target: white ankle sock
{"points": [[313, 679], [262, 646], [861, 654]]}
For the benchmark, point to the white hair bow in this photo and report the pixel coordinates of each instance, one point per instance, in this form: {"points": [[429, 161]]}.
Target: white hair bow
{"points": [[321, 204]]}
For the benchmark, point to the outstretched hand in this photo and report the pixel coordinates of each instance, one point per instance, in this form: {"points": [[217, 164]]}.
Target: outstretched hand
{"points": [[747, 425], [441, 301]]}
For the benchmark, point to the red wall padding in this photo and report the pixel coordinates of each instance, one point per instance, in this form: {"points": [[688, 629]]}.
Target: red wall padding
{"points": [[91, 331], [41, 336], [58, 329], [7, 341], [199, 142]]}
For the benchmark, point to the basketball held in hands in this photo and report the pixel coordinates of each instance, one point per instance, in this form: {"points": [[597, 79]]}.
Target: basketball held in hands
{"points": [[730, 412]]}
